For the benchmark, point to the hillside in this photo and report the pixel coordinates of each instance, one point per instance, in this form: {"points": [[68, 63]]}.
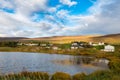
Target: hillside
{"points": [[12, 38], [111, 38], [63, 39]]}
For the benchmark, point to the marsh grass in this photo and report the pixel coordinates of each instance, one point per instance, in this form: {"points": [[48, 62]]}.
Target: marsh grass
{"points": [[97, 75], [61, 76], [26, 76]]}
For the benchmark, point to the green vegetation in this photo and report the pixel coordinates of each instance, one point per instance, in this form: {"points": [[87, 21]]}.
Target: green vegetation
{"points": [[79, 76], [26, 76], [103, 75], [8, 44], [61, 76], [98, 75]]}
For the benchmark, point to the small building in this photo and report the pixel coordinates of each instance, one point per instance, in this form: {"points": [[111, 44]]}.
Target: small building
{"points": [[43, 45], [96, 44], [31, 44], [93, 44], [76, 45], [101, 43], [55, 48], [109, 48]]}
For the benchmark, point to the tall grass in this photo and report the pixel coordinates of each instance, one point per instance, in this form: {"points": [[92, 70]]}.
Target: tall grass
{"points": [[98, 75], [61, 76], [26, 76]]}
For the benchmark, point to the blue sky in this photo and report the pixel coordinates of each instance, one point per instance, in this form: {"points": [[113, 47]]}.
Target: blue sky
{"points": [[42, 18]]}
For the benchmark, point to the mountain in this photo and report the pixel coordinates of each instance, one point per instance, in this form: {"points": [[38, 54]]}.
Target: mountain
{"points": [[12, 38], [64, 39], [110, 38]]}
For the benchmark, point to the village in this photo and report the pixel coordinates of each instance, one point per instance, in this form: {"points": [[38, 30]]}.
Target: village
{"points": [[72, 46]]}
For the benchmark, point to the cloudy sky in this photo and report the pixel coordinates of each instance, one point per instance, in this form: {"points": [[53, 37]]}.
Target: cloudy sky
{"points": [[41, 18]]}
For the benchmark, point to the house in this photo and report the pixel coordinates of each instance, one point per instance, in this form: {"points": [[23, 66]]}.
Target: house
{"points": [[109, 48], [93, 44], [31, 44], [96, 44], [76, 45], [43, 45], [55, 48], [101, 43]]}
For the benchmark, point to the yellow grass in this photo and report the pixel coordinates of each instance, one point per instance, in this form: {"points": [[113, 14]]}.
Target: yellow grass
{"points": [[113, 39]]}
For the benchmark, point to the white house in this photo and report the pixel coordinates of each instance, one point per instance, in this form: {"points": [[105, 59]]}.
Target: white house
{"points": [[96, 44], [109, 48], [101, 43], [55, 48], [93, 44], [43, 45], [31, 44], [74, 47]]}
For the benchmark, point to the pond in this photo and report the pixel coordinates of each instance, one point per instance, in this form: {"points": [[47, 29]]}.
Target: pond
{"points": [[14, 62]]}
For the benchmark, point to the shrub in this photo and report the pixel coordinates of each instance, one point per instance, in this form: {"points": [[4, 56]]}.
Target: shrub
{"points": [[99, 75], [61, 76], [79, 76], [115, 65]]}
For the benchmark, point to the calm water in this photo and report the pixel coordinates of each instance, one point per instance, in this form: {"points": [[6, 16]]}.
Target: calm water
{"points": [[51, 63]]}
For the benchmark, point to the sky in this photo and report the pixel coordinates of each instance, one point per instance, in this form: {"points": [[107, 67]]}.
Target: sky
{"points": [[44, 18]]}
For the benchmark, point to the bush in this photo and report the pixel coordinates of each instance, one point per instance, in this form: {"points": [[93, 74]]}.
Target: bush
{"points": [[26, 76], [61, 76], [79, 76], [115, 65], [99, 75]]}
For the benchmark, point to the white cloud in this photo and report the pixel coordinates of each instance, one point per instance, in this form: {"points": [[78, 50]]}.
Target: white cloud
{"points": [[104, 18], [62, 13], [68, 2]]}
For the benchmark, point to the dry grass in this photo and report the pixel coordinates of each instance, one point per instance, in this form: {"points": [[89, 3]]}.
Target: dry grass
{"points": [[64, 39]]}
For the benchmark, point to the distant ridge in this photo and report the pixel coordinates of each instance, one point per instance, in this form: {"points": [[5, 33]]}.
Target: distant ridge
{"points": [[112, 35], [12, 38], [110, 38]]}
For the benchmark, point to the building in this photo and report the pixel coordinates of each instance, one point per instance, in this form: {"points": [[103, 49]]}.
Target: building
{"points": [[101, 43], [31, 44], [43, 45], [96, 44], [55, 48], [109, 48], [76, 45]]}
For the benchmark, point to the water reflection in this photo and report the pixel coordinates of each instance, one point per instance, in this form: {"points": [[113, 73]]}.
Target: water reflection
{"points": [[81, 60], [51, 63], [84, 61]]}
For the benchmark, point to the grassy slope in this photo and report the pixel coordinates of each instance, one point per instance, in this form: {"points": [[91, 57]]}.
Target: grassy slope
{"points": [[112, 38], [64, 39]]}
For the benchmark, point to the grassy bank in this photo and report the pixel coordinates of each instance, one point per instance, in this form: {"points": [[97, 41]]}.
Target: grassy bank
{"points": [[98, 75], [82, 51]]}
